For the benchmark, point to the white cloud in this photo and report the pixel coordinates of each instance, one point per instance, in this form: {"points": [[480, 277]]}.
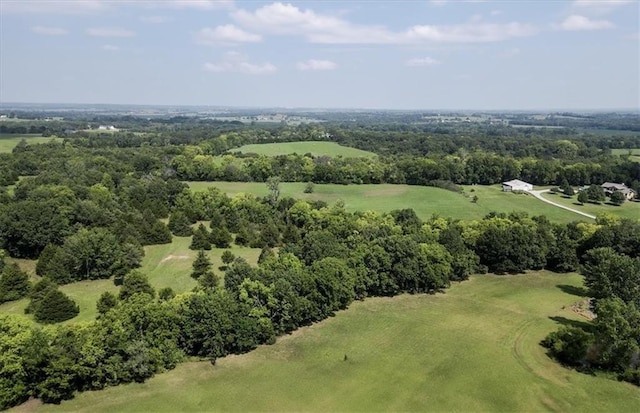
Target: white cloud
{"points": [[225, 35], [154, 19], [286, 19], [576, 22], [187, 4], [110, 32], [470, 32], [237, 62], [422, 62], [110, 48], [49, 31], [314, 64]]}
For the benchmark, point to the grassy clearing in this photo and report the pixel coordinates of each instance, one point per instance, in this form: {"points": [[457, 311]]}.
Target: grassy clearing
{"points": [[316, 148], [167, 265], [9, 141], [426, 201], [629, 209], [475, 348], [633, 154]]}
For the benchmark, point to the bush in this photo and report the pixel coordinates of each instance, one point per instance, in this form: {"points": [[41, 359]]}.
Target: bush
{"points": [[569, 345], [55, 307]]}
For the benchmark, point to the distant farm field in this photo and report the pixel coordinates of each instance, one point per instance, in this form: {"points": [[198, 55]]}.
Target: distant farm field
{"points": [[166, 265], [9, 141], [634, 154], [474, 348], [425, 200], [320, 148], [629, 209]]}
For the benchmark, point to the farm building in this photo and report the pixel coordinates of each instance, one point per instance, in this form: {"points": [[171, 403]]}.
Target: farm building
{"points": [[610, 187], [516, 185]]}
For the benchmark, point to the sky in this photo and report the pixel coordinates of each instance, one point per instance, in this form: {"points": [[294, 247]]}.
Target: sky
{"points": [[456, 54]]}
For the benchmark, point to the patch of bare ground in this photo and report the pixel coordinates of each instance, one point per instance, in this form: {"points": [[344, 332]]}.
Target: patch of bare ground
{"points": [[583, 308], [174, 257]]}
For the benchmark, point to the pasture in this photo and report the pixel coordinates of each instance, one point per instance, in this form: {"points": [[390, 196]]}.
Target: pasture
{"points": [[633, 154], [316, 148], [630, 209], [474, 348], [425, 200], [166, 265], [9, 141]]}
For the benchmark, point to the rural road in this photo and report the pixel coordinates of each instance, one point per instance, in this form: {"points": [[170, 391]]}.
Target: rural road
{"points": [[538, 194]]}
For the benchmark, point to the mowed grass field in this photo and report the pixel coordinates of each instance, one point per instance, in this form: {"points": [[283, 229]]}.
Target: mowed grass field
{"points": [[316, 148], [9, 141], [167, 265], [630, 209], [425, 200], [474, 348]]}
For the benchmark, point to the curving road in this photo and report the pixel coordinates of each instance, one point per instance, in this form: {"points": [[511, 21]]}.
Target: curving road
{"points": [[538, 194]]}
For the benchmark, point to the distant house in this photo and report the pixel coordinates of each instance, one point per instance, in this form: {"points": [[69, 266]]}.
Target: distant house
{"points": [[611, 187], [516, 185], [107, 127]]}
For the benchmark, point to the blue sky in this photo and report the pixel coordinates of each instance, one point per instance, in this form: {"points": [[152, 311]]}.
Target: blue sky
{"points": [[453, 54]]}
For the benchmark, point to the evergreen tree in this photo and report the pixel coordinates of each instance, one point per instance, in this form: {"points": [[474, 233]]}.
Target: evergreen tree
{"points": [[179, 224], [55, 307], [209, 280], [166, 293], [46, 257], [227, 257], [220, 237], [201, 265], [200, 239], [14, 283]]}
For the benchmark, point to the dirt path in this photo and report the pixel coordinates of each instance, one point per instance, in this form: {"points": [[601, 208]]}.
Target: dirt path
{"points": [[538, 194]]}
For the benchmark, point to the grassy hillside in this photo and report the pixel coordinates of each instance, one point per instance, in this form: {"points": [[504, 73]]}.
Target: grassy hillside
{"points": [[475, 348], [633, 154], [316, 148], [426, 201], [167, 265], [9, 141]]}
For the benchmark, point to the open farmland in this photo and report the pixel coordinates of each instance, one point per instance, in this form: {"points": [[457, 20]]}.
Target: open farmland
{"points": [[475, 348], [633, 154], [9, 141], [320, 148], [425, 200], [630, 209]]}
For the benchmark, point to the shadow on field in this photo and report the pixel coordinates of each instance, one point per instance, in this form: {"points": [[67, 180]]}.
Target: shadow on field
{"points": [[567, 322], [573, 290]]}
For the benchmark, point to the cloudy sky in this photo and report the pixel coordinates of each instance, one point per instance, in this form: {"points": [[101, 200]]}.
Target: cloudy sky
{"points": [[440, 54]]}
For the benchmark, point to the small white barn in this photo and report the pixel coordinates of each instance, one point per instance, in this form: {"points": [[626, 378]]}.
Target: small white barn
{"points": [[516, 185]]}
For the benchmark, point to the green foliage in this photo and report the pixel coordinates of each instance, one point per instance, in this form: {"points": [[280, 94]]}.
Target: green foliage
{"points": [[14, 283], [309, 188], [55, 307], [201, 265], [228, 257], [617, 198], [179, 224], [220, 237], [570, 345], [200, 239], [166, 294], [106, 302], [134, 283], [595, 193], [583, 197]]}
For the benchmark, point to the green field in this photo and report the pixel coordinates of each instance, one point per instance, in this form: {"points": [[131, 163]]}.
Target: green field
{"points": [[475, 348], [425, 200], [634, 154], [167, 265], [315, 148], [9, 141], [629, 209]]}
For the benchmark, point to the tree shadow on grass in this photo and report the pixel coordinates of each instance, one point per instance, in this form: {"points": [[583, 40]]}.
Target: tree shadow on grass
{"points": [[573, 290], [567, 322]]}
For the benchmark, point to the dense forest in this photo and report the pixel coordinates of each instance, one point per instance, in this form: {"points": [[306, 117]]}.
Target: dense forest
{"points": [[84, 208]]}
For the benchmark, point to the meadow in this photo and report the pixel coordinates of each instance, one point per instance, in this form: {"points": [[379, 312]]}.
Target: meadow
{"points": [[630, 209], [316, 148], [425, 200], [166, 265], [634, 154], [9, 141], [474, 348]]}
